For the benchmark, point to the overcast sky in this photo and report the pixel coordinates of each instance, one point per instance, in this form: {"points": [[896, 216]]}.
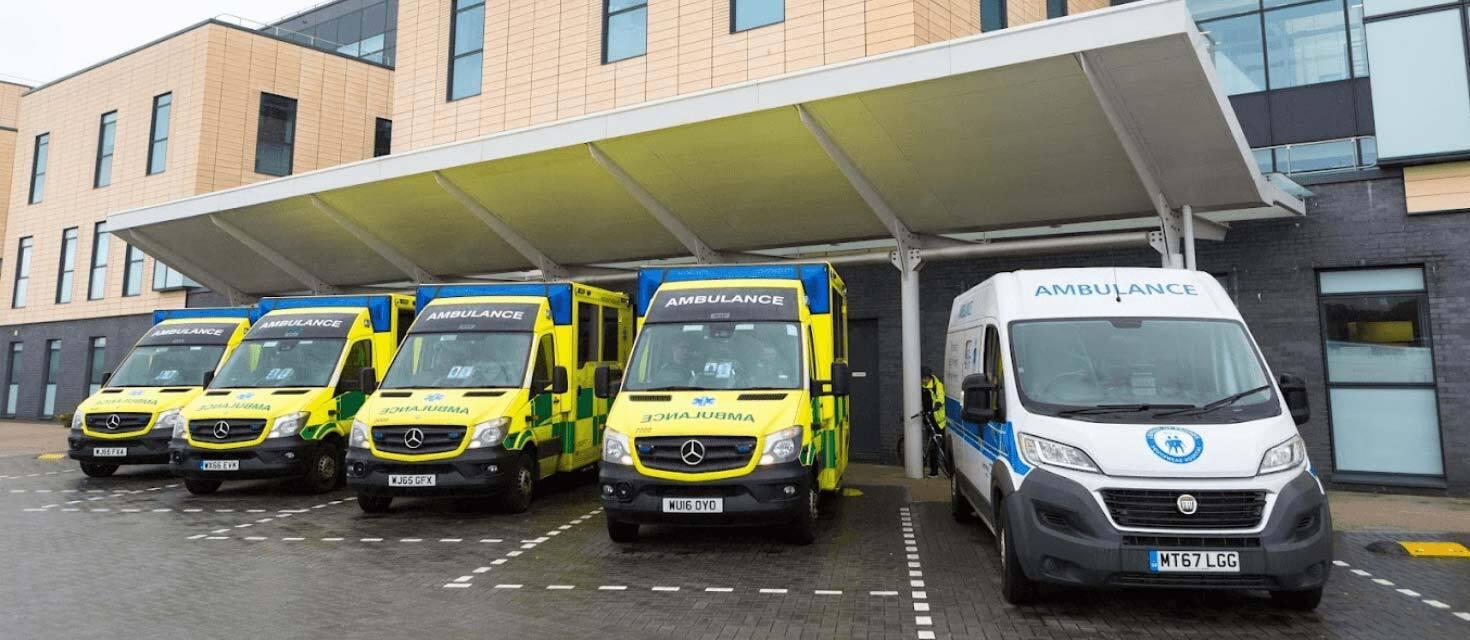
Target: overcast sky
{"points": [[41, 40]]}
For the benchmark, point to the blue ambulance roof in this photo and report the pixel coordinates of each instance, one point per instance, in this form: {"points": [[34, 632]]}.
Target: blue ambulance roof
{"points": [[380, 307], [558, 295], [201, 312], [814, 279]]}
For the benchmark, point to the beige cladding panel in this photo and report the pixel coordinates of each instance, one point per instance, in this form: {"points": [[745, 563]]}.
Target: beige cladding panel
{"points": [[7, 160], [1437, 188], [10, 103]]}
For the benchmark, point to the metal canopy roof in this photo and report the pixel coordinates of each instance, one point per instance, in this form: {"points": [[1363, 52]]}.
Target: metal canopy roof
{"points": [[1085, 118]]}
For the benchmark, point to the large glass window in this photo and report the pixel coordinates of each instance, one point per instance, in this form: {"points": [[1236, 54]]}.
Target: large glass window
{"points": [[166, 278], [166, 366], [53, 367], [1056, 8], [382, 137], [22, 273], [717, 355], [1380, 371], [158, 133], [96, 364], [1238, 52], [624, 29], [752, 14], [287, 362], [466, 48], [106, 143], [38, 168], [12, 378], [97, 279], [275, 139], [992, 15], [460, 360], [66, 271], [132, 271], [1421, 94], [1306, 44]]}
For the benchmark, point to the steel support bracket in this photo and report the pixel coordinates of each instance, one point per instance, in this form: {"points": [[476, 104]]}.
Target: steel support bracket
{"points": [[277, 259], [696, 246], [550, 269], [409, 268]]}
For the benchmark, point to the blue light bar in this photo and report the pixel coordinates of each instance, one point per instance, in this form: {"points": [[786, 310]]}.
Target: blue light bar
{"points": [[201, 312], [814, 280], [558, 295], [380, 307]]}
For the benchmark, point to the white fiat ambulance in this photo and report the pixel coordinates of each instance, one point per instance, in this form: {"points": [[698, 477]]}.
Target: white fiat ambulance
{"points": [[1118, 427]]}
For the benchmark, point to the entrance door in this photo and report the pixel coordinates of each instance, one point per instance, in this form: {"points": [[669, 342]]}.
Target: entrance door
{"points": [[866, 444]]}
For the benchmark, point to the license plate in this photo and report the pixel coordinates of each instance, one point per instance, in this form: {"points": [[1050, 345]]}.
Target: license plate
{"points": [[109, 452], [1193, 561], [694, 505], [219, 465], [412, 480]]}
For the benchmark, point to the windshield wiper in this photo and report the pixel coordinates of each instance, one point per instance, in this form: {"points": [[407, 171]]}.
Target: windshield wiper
{"points": [[673, 388], [1118, 408], [1215, 404]]}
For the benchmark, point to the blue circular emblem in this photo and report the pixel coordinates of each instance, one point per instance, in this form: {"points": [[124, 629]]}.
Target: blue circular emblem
{"points": [[1175, 444], [433, 397]]}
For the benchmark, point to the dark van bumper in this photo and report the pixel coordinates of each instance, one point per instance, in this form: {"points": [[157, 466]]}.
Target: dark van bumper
{"points": [[274, 458], [145, 449], [476, 472], [759, 497]]}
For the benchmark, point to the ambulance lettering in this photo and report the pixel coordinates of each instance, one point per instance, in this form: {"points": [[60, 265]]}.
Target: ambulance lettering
{"points": [[727, 298], [1110, 289]]}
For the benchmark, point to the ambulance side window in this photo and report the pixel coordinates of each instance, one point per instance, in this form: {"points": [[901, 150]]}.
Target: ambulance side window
{"points": [[358, 358], [992, 354], [839, 326], [405, 320], [586, 333], [545, 360], [611, 342]]}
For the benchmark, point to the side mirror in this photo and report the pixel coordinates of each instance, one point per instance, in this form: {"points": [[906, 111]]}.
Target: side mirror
{"points": [[1294, 392], [841, 376], [208, 378], [980, 399], [559, 384], [603, 384], [367, 380]]}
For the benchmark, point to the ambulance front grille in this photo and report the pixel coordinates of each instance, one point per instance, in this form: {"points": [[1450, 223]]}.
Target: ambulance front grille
{"points": [[104, 422], [233, 430], [719, 453], [430, 438], [1159, 509]]}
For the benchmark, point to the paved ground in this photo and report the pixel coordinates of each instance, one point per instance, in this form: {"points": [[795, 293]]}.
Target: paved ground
{"points": [[137, 556]]}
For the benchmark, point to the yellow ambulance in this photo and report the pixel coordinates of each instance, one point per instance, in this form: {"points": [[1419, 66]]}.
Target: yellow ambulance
{"points": [[490, 393], [733, 408], [283, 403], [131, 418]]}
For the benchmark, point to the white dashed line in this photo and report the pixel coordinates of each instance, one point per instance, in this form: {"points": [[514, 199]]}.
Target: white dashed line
{"points": [[883, 593], [1386, 583], [827, 592], [507, 586], [1339, 563], [773, 591], [718, 589], [559, 587], [1463, 615], [1408, 592], [1436, 604], [458, 585], [612, 587], [665, 589]]}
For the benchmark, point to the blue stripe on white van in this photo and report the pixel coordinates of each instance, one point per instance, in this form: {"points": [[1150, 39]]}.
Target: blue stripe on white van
{"points": [[994, 440]]}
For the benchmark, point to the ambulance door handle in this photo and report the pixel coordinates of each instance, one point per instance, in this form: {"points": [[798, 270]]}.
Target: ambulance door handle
{"points": [[859, 374]]}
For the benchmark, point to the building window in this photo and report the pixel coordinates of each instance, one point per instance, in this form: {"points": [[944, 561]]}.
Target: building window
{"points": [[12, 379], [1056, 8], [66, 272], [1421, 92], [1346, 154], [1288, 44], [382, 137], [132, 271], [53, 366], [367, 33], [992, 15], [752, 14], [97, 279], [166, 278], [96, 364], [158, 133], [22, 273], [38, 168], [624, 29], [466, 48], [275, 139], [106, 141], [1306, 44], [1380, 372]]}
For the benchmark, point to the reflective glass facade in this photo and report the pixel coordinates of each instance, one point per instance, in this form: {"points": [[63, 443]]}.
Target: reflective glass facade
{"points": [[366, 29]]}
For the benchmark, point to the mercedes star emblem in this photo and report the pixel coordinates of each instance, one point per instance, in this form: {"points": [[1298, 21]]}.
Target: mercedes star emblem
{"points": [[221, 429], [1187, 504], [113, 421], [413, 438], [692, 453]]}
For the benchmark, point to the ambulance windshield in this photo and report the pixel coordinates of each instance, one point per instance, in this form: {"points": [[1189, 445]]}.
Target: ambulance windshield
{"points": [[284, 362], [166, 366], [1140, 370], [716, 355], [460, 360]]}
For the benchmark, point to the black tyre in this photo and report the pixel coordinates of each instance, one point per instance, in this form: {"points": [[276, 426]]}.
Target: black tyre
{"points": [[804, 529], [622, 532], [517, 497], [959, 506], [1297, 600], [201, 486], [374, 504], [1015, 587], [98, 469], [325, 470]]}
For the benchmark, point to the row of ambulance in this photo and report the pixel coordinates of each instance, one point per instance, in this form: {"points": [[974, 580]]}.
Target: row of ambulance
{"points": [[1112, 427]]}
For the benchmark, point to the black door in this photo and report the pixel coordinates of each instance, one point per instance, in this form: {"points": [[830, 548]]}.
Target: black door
{"points": [[862, 344]]}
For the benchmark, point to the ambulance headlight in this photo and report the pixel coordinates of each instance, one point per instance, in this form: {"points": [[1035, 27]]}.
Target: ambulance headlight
{"points": [[1040, 451], [615, 448], [173, 420], [782, 446], [1287, 455], [76, 421], [288, 425], [488, 433], [359, 438]]}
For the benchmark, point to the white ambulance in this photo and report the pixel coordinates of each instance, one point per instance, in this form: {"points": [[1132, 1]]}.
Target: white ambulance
{"points": [[1118, 427]]}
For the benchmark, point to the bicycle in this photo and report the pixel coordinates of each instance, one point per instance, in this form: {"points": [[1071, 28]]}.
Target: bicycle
{"points": [[935, 445]]}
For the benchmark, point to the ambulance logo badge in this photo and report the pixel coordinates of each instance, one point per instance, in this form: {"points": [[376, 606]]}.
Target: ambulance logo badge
{"points": [[704, 401], [433, 397], [1175, 444]]}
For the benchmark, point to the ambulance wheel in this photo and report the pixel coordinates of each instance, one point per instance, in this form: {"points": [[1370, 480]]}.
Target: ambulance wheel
{"points": [[959, 505], [804, 529], [324, 469], [1015, 587], [374, 504], [98, 469], [201, 486], [622, 532], [1297, 600], [517, 496]]}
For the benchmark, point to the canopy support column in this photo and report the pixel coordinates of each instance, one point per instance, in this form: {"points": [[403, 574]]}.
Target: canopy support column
{"points": [[906, 259], [702, 251], [1187, 212], [550, 269], [393, 256], [276, 258], [193, 271]]}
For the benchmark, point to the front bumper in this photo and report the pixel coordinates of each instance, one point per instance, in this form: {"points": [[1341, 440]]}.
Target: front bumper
{"points": [[755, 498], [1076, 544], [274, 458], [476, 472], [149, 448]]}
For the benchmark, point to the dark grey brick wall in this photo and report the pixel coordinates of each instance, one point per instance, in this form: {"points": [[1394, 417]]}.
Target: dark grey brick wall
{"points": [[76, 339], [1274, 265]]}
